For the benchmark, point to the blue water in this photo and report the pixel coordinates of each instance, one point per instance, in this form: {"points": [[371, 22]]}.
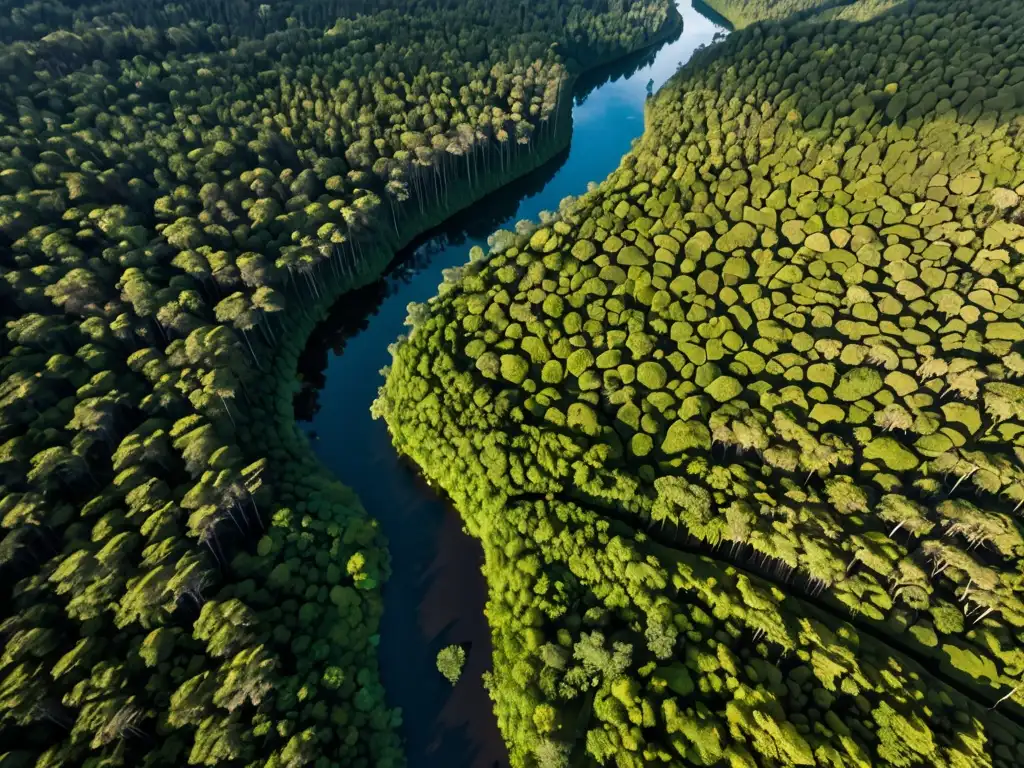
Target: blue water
{"points": [[436, 593]]}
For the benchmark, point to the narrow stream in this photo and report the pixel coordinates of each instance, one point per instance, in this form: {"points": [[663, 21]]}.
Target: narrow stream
{"points": [[436, 594]]}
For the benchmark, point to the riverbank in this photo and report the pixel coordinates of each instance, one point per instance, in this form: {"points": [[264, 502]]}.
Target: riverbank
{"points": [[632, 372], [321, 490], [606, 119]]}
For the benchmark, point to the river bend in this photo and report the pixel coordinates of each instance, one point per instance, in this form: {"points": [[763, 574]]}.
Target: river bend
{"points": [[436, 593]]}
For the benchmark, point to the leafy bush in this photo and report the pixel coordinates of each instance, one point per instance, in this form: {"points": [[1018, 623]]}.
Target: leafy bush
{"points": [[450, 661]]}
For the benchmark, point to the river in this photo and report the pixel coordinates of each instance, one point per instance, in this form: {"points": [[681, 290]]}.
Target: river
{"points": [[436, 593]]}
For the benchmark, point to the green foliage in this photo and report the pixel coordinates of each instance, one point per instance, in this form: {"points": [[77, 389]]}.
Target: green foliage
{"points": [[651, 375], [797, 479], [450, 661], [514, 368], [686, 435], [185, 190], [858, 383], [724, 388], [743, 13]]}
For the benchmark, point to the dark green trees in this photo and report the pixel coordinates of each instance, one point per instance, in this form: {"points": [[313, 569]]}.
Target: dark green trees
{"points": [[183, 189]]}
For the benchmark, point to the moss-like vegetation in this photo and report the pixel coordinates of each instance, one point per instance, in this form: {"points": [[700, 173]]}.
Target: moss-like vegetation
{"points": [[781, 530]]}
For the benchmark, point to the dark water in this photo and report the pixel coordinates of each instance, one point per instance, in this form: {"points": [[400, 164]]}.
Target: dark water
{"points": [[436, 594]]}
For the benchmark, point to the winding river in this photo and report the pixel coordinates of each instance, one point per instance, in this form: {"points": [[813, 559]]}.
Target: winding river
{"points": [[436, 593]]}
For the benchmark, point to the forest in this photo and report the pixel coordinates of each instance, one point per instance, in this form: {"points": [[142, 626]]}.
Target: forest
{"points": [[741, 429], [743, 13], [185, 189]]}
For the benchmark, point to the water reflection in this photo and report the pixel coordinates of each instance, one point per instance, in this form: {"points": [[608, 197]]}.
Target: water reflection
{"points": [[443, 613], [352, 314], [712, 15], [474, 225], [436, 593]]}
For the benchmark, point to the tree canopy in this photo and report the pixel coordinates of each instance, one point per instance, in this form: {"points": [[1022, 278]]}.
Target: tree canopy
{"points": [[740, 428], [184, 190]]}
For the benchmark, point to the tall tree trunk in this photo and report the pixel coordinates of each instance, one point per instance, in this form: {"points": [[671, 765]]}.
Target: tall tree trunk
{"points": [[226, 409], [255, 358], [1004, 698]]}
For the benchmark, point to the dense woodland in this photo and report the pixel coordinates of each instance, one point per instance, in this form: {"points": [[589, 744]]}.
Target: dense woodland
{"points": [[741, 430], [743, 13], [184, 188]]}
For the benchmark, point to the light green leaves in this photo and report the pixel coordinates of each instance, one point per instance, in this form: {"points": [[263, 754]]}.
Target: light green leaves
{"points": [[686, 436], [450, 661], [891, 453], [724, 388], [857, 384]]}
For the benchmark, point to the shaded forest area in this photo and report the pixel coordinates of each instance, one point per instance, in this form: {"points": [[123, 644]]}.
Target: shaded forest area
{"points": [[185, 189], [741, 429]]}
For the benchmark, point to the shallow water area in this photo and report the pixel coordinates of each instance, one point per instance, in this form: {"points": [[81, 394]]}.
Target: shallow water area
{"points": [[436, 593]]}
